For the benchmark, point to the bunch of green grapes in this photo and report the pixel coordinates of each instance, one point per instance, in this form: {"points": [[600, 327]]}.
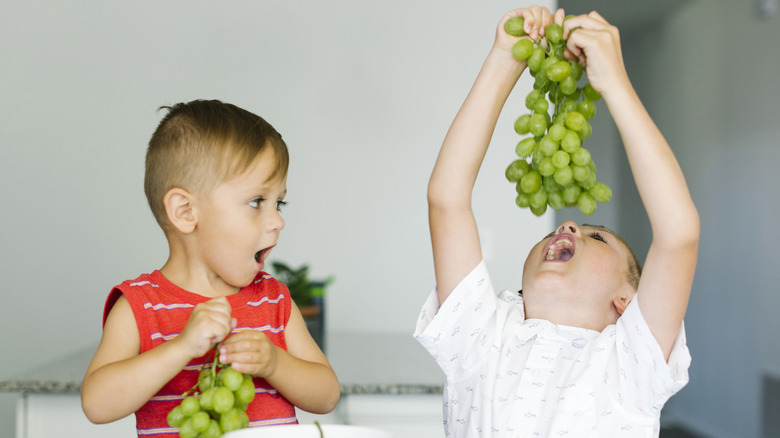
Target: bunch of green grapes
{"points": [[554, 169], [216, 404]]}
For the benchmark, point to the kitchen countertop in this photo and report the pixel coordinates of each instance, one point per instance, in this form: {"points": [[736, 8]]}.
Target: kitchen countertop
{"points": [[380, 363]]}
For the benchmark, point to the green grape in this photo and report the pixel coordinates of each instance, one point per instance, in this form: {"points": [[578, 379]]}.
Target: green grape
{"points": [[537, 124], [555, 199], [556, 132], [513, 173], [580, 157], [563, 176], [560, 119], [189, 406], [536, 158], [200, 421], [176, 417], [231, 378], [207, 399], [186, 430], [590, 93], [244, 418], [561, 159], [586, 203], [600, 192], [570, 194], [585, 131], [246, 392], [550, 60], [575, 121], [546, 167], [521, 124], [522, 49], [514, 26], [554, 33], [205, 379], [568, 86], [530, 182], [547, 146], [550, 185], [539, 198], [230, 420], [223, 400], [536, 58], [570, 105], [213, 431], [538, 211], [530, 100], [587, 108], [580, 173], [541, 106], [558, 51], [525, 147], [588, 183], [542, 83], [570, 141], [523, 200], [576, 70], [558, 71]]}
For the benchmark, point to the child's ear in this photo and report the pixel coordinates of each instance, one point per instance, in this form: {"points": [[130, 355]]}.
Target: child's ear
{"points": [[180, 210], [621, 303]]}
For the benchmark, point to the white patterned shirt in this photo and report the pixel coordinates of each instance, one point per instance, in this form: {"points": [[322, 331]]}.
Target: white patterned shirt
{"points": [[508, 376]]}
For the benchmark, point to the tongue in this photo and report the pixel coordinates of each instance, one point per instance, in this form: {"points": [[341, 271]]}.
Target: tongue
{"points": [[564, 255]]}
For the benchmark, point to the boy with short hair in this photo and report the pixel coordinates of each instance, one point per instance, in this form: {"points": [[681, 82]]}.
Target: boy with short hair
{"points": [[585, 350], [216, 181]]}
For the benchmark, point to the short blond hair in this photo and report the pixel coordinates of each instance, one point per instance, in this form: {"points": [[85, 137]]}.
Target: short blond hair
{"points": [[201, 144]]}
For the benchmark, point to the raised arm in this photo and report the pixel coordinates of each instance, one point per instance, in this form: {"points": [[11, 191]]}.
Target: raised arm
{"points": [[454, 236], [671, 261]]}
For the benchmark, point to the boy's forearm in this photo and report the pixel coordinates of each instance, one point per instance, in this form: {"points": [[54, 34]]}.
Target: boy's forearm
{"points": [[310, 386], [659, 179], [118, 389], [467, 140]]}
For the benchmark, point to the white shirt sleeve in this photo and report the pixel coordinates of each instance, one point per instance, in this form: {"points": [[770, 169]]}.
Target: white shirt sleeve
{"points": [[458, 333], [647, 381]]}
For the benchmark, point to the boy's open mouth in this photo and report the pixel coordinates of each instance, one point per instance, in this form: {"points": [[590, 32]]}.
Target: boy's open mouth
{"points": [[260, 255], [560, 248]]}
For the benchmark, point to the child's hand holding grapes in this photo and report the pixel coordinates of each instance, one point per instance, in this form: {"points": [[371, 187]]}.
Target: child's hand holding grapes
{"points": [[209, 323], [250, 352]]}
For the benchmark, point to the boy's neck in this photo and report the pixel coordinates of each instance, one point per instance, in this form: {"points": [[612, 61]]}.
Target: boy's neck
{"points": [[590, 318], [197, 280]]}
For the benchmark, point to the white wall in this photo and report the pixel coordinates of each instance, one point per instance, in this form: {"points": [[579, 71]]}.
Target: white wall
{"points": [[708, 76], [363, 92]]}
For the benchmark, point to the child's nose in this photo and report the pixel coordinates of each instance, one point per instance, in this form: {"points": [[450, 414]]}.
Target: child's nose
{"points": [[568, 227]]}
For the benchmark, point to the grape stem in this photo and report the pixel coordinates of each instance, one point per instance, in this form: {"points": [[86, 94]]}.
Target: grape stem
{"points": [[216, 364]]}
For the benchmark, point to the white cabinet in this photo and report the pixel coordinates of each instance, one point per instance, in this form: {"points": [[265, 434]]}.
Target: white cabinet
{"points": [[406, 416], [60, 415]]}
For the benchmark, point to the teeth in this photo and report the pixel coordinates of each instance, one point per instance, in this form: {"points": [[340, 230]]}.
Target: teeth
{"points": [[557, 246]]}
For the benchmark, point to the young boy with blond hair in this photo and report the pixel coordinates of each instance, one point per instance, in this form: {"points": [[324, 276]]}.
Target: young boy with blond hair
{"points": [[585, 350], [216, 178]]}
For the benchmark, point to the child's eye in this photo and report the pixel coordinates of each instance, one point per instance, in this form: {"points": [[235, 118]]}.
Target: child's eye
{"points": [[598, 236], [280, 205], [255, 203]]}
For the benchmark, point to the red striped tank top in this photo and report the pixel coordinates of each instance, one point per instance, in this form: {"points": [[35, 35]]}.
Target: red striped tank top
{"points": [[161, 311]]}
